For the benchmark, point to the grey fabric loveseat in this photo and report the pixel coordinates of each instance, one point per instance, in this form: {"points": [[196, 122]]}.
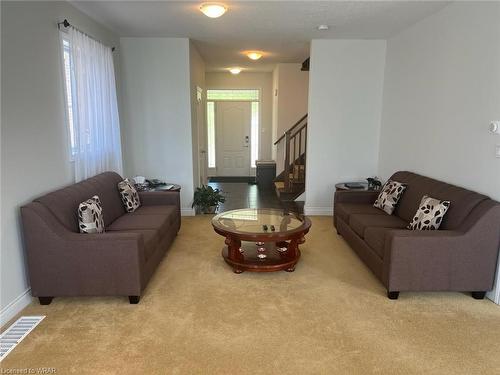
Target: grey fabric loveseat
{"points": [[460, 256], [119, 262]]}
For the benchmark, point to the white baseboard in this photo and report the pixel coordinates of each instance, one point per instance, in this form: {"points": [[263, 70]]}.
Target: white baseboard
{"points": [[318, 211], [13, 308], [494, 295], [187, 212]]}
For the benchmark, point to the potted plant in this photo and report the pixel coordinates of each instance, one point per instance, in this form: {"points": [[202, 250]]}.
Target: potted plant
{"points": [[206, 199]]}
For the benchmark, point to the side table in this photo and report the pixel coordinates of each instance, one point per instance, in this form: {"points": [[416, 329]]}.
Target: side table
{"points": [[174, 187], [364, 187]]}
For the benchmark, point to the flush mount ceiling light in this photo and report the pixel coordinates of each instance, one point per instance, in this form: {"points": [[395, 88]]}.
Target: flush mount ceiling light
{"points": [[213, 10], [254, 55], [235, 71], [323, 27]]}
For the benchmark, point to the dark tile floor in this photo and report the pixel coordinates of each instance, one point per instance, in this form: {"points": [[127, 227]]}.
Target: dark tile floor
{"points": [[245, 195]]}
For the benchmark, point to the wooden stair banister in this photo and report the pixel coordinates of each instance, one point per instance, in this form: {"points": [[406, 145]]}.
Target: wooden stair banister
{"points": [[290, 129]]}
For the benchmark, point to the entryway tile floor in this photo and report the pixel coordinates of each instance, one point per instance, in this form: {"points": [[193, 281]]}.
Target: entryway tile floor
{"points": [[246, 195]]}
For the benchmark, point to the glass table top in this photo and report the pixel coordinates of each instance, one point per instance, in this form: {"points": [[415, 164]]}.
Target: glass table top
{"points": [[257, 221]]}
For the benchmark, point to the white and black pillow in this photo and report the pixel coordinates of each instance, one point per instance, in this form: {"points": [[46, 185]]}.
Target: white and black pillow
{"points": [[430, 214], [389, 196], [129, 194], [90, 218]]}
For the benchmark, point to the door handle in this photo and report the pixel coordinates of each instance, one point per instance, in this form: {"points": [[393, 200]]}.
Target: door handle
{"points": [[247, 140]]}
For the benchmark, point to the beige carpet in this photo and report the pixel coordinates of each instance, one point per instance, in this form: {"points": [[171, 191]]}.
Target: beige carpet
{"points": [[330, 316]]}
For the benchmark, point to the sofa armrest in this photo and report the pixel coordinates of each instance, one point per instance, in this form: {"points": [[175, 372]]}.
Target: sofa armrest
{"points": [[438, 260], [156, 198], [65, 263], [350, 196]]}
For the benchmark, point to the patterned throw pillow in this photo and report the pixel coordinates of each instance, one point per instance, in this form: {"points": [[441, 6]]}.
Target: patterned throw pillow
{"points": [[389, 196], [430, 214], [130, 196], [90, 219]]}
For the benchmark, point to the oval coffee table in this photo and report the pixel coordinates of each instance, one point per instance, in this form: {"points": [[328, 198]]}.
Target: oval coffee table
{"points": [[260, 239]]}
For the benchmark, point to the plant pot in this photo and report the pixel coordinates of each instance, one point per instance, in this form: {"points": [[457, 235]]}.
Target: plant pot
{"points": [[205, 210], [210, 210]]}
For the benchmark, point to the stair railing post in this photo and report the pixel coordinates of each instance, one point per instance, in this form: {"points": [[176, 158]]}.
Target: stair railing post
{"points": [[305, 151], [287, 160], [300, 144]]}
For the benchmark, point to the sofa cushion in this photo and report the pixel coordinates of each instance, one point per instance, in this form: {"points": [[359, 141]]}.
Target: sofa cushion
{"points": [[359, 222], [153, 210], [344, 210], [154, 222], [90, 217], [430, 214], [63, 203], [462, 200], [389, 196]]}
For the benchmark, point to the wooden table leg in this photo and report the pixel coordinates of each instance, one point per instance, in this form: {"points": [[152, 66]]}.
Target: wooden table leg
{"points": [[233, 252], [293, 248]]}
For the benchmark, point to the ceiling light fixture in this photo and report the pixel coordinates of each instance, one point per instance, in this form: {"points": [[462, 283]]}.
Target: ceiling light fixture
{"points": [[235, 71], [254, 55], [323, 27], [213, 10]]}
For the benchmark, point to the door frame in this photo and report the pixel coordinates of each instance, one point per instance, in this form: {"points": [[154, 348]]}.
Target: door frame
{"points": [[202, 136], [212, 172]]}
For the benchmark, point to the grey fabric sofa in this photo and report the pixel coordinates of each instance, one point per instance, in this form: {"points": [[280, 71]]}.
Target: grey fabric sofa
{"points": [[119, 262], [460, 256]]}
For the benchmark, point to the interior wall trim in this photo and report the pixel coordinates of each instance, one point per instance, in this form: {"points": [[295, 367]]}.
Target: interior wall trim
{"points": [[15, 307], [187, 212], [318, 211], [494, 295]]}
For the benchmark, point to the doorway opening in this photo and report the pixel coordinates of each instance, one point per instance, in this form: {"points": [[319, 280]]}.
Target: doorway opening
{"points": [[233, 122]]}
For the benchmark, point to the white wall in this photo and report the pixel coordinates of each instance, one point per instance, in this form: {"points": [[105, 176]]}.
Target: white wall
{"points": [[442, 88], [345, 101], [293, 95], [262, 81], [274, 115], [289, 105], [198, 125], [156, 121], [34, 142]]}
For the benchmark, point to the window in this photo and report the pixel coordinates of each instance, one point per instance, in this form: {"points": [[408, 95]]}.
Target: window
{"points": [[91, 104], [211, 134], [254, 153], [236, 95], [214, 96], [68, 85]]}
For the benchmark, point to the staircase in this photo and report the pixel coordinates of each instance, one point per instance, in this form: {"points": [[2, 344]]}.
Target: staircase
{"points": [[290, 183]]}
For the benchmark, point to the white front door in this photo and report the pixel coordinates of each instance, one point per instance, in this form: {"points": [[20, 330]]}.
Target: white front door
{"points": [[232, 123]]}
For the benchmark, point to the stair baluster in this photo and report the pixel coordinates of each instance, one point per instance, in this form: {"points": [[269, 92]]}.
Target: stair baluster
{"points": [[293, 175]]}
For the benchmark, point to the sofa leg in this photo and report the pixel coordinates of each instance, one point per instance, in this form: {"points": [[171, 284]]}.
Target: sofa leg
{"points": [[45, 300], [134, 300], [478, 295], [392, 295]]}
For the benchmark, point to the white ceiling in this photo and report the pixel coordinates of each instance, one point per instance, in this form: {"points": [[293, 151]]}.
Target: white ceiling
{"points": [[283, 29]]}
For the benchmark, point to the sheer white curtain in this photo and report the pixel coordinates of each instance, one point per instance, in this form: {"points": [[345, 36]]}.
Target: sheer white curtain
{"points": [[95, 111]]}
